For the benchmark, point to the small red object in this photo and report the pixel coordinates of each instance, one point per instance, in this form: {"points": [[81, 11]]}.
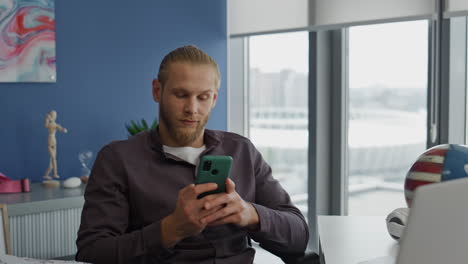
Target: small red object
{"points": [[8, 185]]}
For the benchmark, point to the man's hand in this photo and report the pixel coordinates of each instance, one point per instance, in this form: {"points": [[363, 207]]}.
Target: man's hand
{"points": [[186, 221], [235, 210]]}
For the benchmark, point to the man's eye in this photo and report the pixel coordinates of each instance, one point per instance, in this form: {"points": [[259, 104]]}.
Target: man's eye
{"points": [[204, 97], [180, 95]]}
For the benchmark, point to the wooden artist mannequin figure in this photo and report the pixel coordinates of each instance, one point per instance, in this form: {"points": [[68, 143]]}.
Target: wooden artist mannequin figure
{"points": [[52, 142]]}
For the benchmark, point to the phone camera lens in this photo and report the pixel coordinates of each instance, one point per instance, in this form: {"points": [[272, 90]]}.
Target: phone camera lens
{"points": [[207, 165], [214, 172]]}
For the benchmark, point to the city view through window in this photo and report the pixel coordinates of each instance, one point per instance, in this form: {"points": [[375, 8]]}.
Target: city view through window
{"points": [[387, 74], [388, 65], [278, 107], [278, 112]]}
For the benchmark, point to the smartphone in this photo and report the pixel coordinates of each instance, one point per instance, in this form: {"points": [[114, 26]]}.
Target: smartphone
{"points": [[214, 169]]}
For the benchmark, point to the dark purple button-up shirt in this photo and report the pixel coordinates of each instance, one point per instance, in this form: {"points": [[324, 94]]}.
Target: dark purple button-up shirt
{"points": [[134, 184]]}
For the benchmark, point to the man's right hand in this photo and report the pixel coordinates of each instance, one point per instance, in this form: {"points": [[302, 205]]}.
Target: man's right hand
{"points": [[185, 220]]}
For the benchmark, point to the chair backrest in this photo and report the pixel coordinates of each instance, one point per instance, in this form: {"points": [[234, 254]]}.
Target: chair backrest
{"points": [[5, 245]]}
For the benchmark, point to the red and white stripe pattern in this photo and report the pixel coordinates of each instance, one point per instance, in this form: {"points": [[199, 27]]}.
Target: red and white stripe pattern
{"points": [[427, 169]]}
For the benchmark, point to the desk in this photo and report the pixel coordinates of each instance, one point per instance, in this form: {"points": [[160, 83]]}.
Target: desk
{"points": [[353, 239], [43, 223]]}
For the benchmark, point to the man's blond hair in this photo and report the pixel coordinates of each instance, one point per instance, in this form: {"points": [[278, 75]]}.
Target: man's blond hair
{"points": [[189, 54]]}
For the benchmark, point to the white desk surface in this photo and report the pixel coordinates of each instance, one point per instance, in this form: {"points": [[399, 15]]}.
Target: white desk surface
{"points": [[354, 239]]}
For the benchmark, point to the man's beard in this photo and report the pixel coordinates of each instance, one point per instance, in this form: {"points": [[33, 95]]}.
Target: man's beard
{"points": [[182, 136]]}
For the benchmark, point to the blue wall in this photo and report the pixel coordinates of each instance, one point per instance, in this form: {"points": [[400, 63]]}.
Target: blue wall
{"points": [[108, 52]]}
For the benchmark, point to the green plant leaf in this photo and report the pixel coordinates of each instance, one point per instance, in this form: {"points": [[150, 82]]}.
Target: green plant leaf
{"points": [[145, 125], [132, 123], [136, 127], [130, 130], [155, 124]]}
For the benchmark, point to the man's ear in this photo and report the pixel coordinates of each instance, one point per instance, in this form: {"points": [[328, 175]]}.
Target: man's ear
{"points": [[157, 89], [215, 97]]}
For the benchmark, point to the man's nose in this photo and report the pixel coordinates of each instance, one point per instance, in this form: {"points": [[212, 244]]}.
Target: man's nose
{"points": [[191, 106]]}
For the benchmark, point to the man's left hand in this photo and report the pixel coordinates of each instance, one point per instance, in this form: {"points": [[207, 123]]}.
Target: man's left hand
{"points": [[235, 210]]}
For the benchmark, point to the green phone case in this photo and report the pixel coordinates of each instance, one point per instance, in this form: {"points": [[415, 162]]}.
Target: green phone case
{"points": [[214, 169]]}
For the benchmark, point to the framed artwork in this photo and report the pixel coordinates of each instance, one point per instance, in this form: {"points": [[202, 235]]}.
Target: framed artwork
{"points": [[27, 41]]}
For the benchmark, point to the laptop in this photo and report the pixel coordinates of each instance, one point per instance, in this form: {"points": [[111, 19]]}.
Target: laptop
{"points": [[437, 229]]}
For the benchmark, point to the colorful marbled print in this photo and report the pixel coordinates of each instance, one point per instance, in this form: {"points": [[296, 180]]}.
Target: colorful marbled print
{"points": [[27, 41]]}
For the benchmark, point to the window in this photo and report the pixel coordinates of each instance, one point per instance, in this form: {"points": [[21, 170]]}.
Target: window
{"points": [[388, 80], [278, 107], [371, 101]]}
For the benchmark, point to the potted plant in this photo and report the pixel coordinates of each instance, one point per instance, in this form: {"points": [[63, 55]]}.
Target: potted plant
{"points": [[136, 127]]}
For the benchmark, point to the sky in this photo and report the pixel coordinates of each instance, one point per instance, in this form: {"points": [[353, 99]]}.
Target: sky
{"points": [[274, 52], [393, 54]]}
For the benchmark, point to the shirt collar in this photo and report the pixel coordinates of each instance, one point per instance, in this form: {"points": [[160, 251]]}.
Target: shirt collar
{"points": [[211, 139]]}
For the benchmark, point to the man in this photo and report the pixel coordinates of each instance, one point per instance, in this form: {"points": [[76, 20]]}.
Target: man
{"points": [[141, 203]]}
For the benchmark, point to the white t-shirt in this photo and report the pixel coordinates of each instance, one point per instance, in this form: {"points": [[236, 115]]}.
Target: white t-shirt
{"points": [[189, 154]]}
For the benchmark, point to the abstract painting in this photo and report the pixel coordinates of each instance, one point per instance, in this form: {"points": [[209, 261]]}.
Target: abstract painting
{"points": [[27, 41]]}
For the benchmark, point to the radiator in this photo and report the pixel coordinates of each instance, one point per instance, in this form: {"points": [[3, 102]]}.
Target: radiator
{"points": [[45, 235]]}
